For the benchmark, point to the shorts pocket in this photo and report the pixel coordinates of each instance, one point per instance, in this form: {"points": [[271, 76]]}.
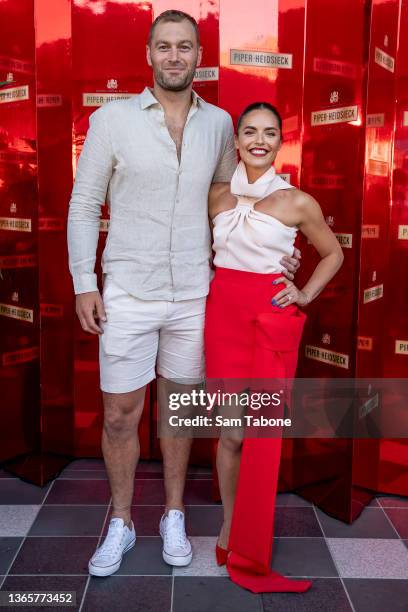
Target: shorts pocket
{"points": [[115, 341]]}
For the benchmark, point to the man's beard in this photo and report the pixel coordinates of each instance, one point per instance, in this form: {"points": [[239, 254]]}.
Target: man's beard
{"points": [[174, 83]]}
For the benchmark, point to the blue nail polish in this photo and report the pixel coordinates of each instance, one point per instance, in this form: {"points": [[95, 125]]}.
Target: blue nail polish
{"points": [[281, 306], [274, 282], [274, 302]]}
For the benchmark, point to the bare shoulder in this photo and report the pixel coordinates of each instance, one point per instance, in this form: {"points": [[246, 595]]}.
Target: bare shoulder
{"points": [[300, 198], [302, 202]]}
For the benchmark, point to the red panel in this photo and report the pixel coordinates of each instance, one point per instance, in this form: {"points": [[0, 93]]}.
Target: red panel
{"points": [[393, 474], [377, 185], [54, 127], [19, 305], [332, 167]]}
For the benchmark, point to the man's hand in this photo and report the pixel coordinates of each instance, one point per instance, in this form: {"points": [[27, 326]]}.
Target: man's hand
{"points": [[292, 264], [89, 306]]}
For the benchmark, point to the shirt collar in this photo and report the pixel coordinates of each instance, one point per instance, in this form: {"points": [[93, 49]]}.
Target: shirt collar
{"points": [[147, 99]]}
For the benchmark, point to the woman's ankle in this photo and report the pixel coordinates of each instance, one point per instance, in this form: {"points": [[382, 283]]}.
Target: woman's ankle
{"points": [[223, 537]]}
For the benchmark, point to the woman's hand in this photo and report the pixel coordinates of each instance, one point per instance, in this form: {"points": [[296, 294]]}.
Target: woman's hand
{"points": [[290, 295]]}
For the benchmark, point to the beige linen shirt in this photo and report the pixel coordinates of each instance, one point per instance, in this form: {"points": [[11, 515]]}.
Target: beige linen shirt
{"points": [[158, 244]]}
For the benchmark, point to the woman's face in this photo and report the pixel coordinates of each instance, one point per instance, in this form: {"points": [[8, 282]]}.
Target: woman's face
{"points": [[259, 139]]}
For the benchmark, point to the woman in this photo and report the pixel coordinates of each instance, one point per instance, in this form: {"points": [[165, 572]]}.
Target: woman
{"points": [[253, 330]]}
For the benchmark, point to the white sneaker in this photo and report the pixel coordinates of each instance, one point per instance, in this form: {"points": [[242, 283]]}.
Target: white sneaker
{"points": [[107, 558], [176, 546]]}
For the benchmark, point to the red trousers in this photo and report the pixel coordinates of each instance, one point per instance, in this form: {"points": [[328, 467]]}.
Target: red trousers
{"points": [[248, 338]]}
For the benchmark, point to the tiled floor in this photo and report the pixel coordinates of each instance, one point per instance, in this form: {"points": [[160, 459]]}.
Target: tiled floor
{"points": [[47, 536]]}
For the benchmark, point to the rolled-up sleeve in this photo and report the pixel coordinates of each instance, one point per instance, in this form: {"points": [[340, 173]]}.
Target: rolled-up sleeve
{"points": [[94, 172], [228, 160]]}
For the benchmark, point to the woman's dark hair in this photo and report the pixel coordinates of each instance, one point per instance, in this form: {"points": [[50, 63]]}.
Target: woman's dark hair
{"points": [[260, 106]]}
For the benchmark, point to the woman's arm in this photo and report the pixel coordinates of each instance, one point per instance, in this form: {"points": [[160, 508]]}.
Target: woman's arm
{"points": [[315, 228]]}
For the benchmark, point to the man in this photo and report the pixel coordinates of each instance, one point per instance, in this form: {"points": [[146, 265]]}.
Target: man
{"points": [[153, 157]]}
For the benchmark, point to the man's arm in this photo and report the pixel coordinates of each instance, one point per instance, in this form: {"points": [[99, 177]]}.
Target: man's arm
{"points": [[89, 193], [228, 159]]}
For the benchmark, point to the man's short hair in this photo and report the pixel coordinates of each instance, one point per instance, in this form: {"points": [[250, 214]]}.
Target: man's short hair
{"points": [[175, 17]]}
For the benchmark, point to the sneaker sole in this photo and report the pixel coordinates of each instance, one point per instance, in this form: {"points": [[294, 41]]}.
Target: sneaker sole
{"points": [[94, 570], [177, 561]]}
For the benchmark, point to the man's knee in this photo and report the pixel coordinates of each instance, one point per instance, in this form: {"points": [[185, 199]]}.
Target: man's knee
{"points": [[122, 411], [233, 445]]}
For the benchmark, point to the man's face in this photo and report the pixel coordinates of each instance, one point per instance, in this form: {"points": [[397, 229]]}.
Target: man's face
{"points": [[174, 55]]}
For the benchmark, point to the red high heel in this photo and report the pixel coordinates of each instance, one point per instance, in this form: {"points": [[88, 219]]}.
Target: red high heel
{"points": [[221, 555]]}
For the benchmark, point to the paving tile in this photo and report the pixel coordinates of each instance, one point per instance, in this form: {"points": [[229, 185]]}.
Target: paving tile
{"points": [[146, 520], [393, 501], [326, 594], [69, 521], [93, 492], [8, 549], [296, 523], [135, 593], [16, 520], [378, 595], [145, 559], [399, 518], [200, 520], [220, 594], [197, 492], [203, 563], [204, 520], [16, 491], [46, 583], [369, 558], [83, 475], [150, 466], [86, 464], [291, 500], [61, 555], [370, 524], [303, 557], [148, 492]]}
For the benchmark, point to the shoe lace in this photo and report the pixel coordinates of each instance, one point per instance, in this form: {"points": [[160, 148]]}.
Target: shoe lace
{"points": [[175, 533], [113, 540]]}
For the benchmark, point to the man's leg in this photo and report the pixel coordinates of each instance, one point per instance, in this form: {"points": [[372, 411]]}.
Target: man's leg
{"points": [[121, 448], [181, 365], [127, 355], [175, 450]]}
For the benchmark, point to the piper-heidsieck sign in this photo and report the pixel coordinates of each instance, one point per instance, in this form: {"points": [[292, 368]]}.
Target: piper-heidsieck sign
{"points": [[15, 224], [206, 74], [403, 232], [262, 59], [339, 360], [384, 60], [97, 99], [14, 94], [335, 115], [375, 120]]}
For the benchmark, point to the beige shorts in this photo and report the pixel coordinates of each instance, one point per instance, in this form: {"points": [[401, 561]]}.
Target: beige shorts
{"points": [[142, 336]]}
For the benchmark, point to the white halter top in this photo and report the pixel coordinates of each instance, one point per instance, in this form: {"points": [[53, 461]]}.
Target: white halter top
{"points": [[247, 239]]}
